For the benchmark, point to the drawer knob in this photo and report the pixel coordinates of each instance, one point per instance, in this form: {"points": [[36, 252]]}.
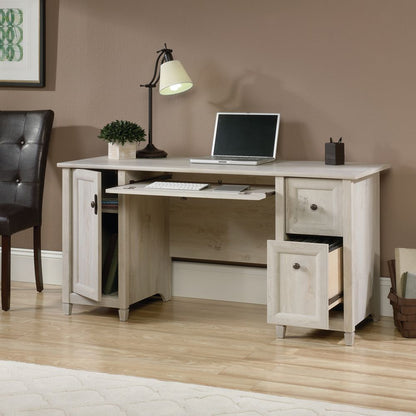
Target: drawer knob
{"points": [[314, 207], [296, 266]]}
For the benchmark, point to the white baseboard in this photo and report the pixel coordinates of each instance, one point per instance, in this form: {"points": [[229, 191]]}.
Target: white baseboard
{"points": [[22, 266], [194, 280]]}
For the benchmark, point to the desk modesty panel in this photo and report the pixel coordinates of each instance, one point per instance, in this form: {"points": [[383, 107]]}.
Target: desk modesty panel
{"points": [[285, 199]]}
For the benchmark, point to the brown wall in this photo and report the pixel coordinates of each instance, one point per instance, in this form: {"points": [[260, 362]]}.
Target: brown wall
{"points": [[330, 67]]}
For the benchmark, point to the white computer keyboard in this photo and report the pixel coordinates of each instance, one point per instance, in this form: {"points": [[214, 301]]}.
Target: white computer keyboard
{"points": [[182, 186]]}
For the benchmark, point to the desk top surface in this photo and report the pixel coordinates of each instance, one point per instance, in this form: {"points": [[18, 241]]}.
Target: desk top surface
{"points": [[306, 169]]}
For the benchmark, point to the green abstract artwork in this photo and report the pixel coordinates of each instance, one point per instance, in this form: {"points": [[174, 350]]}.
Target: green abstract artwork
{"points": [[11, 35]]}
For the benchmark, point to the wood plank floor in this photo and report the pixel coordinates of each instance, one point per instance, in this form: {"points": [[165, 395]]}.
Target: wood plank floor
{"points": [[221, 344]]}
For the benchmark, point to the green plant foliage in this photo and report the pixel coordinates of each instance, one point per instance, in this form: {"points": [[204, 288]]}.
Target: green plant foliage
{"points": [[121, 132]]}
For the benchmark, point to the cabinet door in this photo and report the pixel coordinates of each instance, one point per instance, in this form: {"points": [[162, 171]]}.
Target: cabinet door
{"points": [[297, 284], [87, 234]]}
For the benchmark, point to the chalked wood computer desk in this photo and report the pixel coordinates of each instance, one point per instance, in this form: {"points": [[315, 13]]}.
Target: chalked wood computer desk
{"points": [[261, 226]]}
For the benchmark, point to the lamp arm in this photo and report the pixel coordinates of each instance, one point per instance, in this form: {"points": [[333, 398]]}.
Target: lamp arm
{"points": [[167, 54], [156, 76]]}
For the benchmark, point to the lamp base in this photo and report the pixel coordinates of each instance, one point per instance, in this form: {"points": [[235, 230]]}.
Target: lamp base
{"points": [[150, 151]]}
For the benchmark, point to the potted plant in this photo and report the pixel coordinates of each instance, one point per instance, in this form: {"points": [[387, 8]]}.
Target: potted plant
{"points": [[122, 137]]}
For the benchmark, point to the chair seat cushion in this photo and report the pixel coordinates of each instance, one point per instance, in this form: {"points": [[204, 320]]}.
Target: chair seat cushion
{"points": [[14, 218]]}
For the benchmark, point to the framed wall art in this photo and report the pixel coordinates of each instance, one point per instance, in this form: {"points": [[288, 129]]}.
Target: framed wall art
{"points": [[22, 43]]}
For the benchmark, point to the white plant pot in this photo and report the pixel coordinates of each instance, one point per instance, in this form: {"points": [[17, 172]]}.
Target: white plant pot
{"points": [[127, 151]]}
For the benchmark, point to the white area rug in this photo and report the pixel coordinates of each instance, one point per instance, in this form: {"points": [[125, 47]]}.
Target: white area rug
{"points": [[29, 390]]}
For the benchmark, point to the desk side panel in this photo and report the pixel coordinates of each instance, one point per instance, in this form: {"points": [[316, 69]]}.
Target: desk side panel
{"points": [[280, 209], [144, 247], [366, 247], [361, 250], [67, 236]]}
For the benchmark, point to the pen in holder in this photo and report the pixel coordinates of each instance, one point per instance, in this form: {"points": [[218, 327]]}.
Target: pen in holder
{"points": [[334, 152]]}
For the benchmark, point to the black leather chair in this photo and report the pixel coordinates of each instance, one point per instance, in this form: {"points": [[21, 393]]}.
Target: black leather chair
{"points": [[24, 140]]}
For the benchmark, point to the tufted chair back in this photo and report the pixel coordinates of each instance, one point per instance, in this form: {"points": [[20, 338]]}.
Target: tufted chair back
{"points": [[24, 140]]}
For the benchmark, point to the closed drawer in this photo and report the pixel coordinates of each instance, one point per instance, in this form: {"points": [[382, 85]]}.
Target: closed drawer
{"points": [[304, 281], [314, 206]]}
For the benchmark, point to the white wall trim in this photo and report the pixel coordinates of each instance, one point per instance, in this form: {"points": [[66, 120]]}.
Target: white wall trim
{"points": [[195, 280], [22, 266]]}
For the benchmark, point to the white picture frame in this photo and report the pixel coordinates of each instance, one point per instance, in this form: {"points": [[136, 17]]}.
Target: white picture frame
{"points": [[22, 43]]}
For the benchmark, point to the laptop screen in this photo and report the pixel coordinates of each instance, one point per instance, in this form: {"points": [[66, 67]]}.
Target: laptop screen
{"points": [[246, 134]]}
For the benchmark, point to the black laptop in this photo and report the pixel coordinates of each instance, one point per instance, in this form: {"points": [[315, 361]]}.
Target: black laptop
{"points": [[243, 139]]}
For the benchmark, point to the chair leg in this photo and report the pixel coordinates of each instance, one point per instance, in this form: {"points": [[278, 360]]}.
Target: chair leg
{"points": [[37, 258], [5, 272]]}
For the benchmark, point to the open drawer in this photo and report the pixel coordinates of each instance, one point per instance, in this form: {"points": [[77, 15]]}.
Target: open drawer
{"points": [[304, 281]]}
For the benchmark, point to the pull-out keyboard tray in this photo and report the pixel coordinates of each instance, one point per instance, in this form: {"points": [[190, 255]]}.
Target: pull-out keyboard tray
{"points": [[253, 193]]}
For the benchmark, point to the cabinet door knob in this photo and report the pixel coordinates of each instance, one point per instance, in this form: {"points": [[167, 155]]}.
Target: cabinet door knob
{"points": [[296, 266], [314, 207], [94, 204]]}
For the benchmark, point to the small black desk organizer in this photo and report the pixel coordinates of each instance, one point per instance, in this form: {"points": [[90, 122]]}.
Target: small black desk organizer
{"points": [[334, 152]]}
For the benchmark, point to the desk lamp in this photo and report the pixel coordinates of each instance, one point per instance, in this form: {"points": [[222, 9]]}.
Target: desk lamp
{"points": [[173, 80]]}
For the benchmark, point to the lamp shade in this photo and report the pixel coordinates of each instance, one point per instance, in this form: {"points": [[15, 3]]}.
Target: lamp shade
{"points": [[173, 78]]}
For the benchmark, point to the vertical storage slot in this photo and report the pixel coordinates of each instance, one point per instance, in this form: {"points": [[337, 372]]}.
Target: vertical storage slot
{"points": [[109, 235], [109, 201], [109, 253], [109, 220]]}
